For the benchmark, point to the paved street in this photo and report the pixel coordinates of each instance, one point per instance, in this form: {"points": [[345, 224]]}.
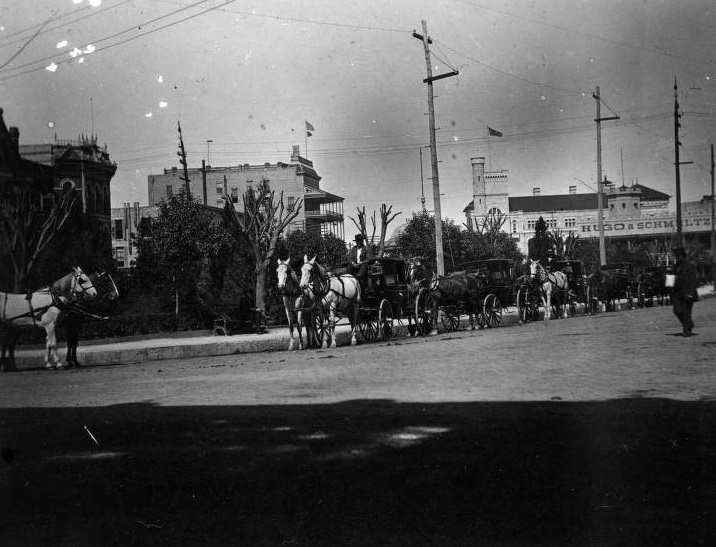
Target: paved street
{"points": [[589, 431]]}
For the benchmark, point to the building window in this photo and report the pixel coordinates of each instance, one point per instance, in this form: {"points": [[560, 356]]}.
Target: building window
{"points": [[570, 222], [234, 195], [531, 224], [169, 190], [551, 223], [623, 205], [535, 191], [514, 226], [290, 203], [572, 189], [118, 230], [494, 212], [219, 188]]}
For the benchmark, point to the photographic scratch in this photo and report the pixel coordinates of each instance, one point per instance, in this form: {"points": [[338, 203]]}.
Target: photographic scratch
{"points": [[91, 436]]}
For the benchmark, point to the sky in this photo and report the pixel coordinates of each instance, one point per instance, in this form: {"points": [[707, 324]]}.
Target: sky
{"points": [[243, 77]]}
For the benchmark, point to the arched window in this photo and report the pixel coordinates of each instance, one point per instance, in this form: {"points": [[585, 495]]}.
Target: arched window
{"points": [[494, 212]]}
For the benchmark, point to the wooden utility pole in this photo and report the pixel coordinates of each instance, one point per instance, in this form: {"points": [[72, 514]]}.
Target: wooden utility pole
{"points": [[677, 165], [440, 260], [713, 220], [600, 187]]}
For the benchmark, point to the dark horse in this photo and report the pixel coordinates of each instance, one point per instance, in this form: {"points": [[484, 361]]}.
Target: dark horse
{"points": [[83, 309], [457, 289]]}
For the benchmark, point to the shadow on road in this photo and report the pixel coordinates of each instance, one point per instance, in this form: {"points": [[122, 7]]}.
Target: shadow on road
{"points": [[370, 472]]}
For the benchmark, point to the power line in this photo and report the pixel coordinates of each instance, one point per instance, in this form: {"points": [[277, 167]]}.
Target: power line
{"points": [[117, 34]]}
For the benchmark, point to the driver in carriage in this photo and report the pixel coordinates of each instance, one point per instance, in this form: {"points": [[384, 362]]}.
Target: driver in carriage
{"points": [[358, 256]]}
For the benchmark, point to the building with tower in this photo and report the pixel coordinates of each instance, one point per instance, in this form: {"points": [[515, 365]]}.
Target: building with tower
{"points": [[630, 212]]}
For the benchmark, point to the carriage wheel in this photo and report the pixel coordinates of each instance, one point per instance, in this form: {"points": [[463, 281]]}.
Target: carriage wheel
{"points": [[450, 318], [385, 320], [424, 312], [492, 310], [368, 324], [525, 305]]}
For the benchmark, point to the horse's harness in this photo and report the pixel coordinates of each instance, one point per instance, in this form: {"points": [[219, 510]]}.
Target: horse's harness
{"points": [[322, 286], [56, 301]]}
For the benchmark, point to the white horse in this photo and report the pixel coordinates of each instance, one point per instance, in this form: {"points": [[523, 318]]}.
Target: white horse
{"points": [[41, 309], [337, 294], [550, 282], [294, 301]]}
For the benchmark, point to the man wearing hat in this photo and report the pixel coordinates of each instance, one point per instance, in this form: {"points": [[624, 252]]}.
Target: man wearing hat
{"points": [[358, 257], [684, 292]]}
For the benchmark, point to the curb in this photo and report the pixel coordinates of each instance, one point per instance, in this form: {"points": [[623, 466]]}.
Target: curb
{"points": [[159, 349]]}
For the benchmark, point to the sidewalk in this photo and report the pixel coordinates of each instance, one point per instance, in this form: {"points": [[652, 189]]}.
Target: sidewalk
{"points": [[170, 346]]}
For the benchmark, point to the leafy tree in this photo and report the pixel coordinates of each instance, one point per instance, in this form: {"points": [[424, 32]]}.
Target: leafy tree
{"points": [[541, 244], [330, 250], [178, 246], [459, 246]]}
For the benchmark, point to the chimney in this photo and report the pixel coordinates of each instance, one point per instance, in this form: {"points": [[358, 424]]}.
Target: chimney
{"points": [[296, 152], [572, 189], [535, 191], [15, 138]]}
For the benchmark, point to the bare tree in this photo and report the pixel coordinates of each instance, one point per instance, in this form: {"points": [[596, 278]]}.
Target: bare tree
{"points": [[385, 220], [564, 246], [25, 231], [264, 221]]}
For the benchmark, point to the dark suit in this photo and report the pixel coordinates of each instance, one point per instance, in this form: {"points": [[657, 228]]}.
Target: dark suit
{"points": [[358, 258], [684, 293]]}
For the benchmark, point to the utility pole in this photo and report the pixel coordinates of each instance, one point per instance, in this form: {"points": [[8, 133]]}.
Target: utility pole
{"points": [[677, 165], [203, 179], [208, 157], [600, 186], [713, 219], [440, 260], [422, 187]]}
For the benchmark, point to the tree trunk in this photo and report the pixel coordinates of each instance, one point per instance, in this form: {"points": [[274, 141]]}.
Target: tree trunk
{"points": [[261, 274]]}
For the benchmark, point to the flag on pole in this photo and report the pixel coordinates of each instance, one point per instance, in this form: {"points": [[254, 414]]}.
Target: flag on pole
{"points": [[494, 132], [309, 129]]}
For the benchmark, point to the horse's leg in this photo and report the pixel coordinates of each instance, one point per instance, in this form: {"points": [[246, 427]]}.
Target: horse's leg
{"points": [[333, 320], [289, 317], [436, 309], [354, 321], [49, 322], [547, 303], [74, 327]]}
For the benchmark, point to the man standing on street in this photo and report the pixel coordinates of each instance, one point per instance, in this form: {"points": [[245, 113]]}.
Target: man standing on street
{"points": [[684, 292]]}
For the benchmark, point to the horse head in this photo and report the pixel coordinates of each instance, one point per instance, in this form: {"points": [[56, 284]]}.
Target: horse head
{"points": [[282, 271], [536, 270], [307, 272], [104, 284], [82, 286]]}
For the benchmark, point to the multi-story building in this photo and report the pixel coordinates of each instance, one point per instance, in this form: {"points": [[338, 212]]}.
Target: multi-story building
{"points": [[629, 211], [321, 211], [85, 164], [125, 226]]}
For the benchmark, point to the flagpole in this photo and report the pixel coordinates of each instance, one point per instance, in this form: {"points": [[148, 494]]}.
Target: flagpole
{"points": [[489, 152], [305, 127]]}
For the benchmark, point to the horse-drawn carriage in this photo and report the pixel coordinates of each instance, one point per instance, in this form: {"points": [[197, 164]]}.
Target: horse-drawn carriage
{"points": [[580, 289], [651, 286], [388, 294], [497, 289], [615, 282]]}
